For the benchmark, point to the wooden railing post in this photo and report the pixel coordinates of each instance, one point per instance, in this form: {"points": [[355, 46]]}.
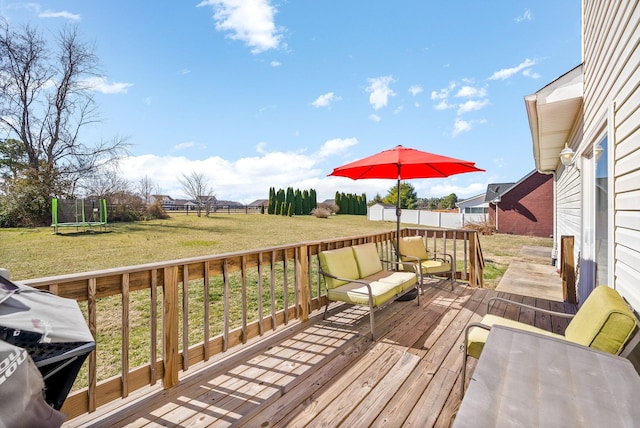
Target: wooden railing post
{"points": [[568, 269], [170, 326], [302, 281]]}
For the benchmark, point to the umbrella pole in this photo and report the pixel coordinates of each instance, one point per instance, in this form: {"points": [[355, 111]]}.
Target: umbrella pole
{"points": [[398, 214]]}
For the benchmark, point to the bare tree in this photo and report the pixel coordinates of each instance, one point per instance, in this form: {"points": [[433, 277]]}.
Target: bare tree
{"points": [[45, 100], [197, 188], [106, 182], [146, 189]]}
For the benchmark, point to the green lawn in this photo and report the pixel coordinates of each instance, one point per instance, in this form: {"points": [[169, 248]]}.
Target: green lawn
{"points": [[37, 252]]}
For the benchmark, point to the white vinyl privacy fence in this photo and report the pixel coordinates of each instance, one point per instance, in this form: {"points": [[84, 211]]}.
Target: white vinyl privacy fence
{"points": [[425, 218]]}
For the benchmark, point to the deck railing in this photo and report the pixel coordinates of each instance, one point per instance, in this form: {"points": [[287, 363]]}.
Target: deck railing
{"points": [[154, 320]]}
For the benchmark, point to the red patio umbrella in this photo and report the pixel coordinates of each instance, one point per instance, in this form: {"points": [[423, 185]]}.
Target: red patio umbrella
{"points": [[403, 163]]}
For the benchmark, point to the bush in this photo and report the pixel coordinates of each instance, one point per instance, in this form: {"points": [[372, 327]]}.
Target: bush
{"points": [[156, 211], [486, 227], [321, 212]]}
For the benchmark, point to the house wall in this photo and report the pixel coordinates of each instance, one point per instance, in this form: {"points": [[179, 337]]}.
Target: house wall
{"points": [[611, 37], [527, 209]]}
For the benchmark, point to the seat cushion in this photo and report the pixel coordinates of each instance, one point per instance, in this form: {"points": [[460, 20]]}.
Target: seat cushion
{"points": [[367, 259], [357, 293], [340, 262], [478, 336], [604, 321], [435, 266], [402, 280], [413, 246]]}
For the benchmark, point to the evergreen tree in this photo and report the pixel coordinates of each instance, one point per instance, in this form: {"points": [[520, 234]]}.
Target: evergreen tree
{"points": [[271, 208], [314, 200], [306, 203], [298, 207]]}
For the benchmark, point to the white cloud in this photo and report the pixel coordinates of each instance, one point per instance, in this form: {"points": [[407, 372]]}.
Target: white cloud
{"points": [[261, 147], [325, 100], [183, 146], [530, 73], [35, 8], [505, 73], [243, 180], [471, 92], [63, 14], [250, 21], [336, 146], [472, 105], [380, 91], [398, 110], [415, 90], [526, 16], [443, 93], [100, 84], [275, 63], [374, 117], [184, 71], [444, 105], [461, 126]]}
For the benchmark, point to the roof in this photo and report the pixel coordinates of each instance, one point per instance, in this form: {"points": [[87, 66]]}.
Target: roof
{"points": [[471, 199], [496, 189], [553, 112]]}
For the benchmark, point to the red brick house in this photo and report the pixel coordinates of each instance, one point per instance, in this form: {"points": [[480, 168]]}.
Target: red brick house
{"points": [[523, 208]]}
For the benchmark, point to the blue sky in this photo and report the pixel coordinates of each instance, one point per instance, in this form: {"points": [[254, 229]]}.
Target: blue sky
{"points": [[259, 94]]}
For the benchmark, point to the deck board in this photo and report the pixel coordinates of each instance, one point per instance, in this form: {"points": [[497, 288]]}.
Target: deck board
{"points": [[330, 372]]}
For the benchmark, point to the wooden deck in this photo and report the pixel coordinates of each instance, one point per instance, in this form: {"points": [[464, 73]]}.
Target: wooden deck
{"points": [[330, 372]]}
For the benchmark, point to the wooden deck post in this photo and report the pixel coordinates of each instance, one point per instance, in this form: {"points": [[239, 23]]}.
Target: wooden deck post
{"points": [[170, 326], [568, 269], [302, 281]]}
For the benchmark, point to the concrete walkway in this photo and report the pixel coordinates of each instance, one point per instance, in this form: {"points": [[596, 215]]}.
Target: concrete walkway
{"points": [[535, 279]]}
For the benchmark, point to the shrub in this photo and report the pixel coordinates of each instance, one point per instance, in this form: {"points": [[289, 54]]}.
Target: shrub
{"points": [[485, 227], [321, 212]]}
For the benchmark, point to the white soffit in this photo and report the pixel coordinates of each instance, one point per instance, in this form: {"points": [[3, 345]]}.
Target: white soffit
{"points": [[553, 112]]}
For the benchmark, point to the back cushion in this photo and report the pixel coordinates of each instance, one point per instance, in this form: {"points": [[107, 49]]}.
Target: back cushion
{"points": [[340, 262], [604, 321], [413, 246], [367, 258]]}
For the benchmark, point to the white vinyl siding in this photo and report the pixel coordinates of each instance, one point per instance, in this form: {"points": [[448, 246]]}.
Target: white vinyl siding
{"points": [[612, 80]]}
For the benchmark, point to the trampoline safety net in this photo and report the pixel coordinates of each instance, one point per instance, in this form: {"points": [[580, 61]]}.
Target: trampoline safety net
{"points": [[85, 213]]}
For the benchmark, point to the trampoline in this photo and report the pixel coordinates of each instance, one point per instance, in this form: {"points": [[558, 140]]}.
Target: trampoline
{"points": [[78, 213]]}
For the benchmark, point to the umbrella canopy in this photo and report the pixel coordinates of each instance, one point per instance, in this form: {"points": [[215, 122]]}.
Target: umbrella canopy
{"points": [[403, 163]]}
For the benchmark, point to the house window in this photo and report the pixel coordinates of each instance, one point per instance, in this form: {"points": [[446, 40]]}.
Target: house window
{"points": [[602, 215], [476, 210]]}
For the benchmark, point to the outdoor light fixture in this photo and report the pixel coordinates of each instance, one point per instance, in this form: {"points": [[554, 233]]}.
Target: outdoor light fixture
{"points": [[566, 155], [597, 151]]}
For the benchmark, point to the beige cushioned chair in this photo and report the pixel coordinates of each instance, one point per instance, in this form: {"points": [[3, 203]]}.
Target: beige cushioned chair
{"points": [[412, 249], [604, 322]]}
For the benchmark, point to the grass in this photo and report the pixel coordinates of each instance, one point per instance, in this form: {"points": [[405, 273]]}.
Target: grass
{"points": [[37, 252]]}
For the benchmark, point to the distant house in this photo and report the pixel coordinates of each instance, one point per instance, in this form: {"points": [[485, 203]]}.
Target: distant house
{"points": [[473, 205], [523, 208], [258, 203], [181, 204], [166, 201]]}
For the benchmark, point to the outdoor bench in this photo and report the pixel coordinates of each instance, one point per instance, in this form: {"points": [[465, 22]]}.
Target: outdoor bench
{"points": [[356, 275]]}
